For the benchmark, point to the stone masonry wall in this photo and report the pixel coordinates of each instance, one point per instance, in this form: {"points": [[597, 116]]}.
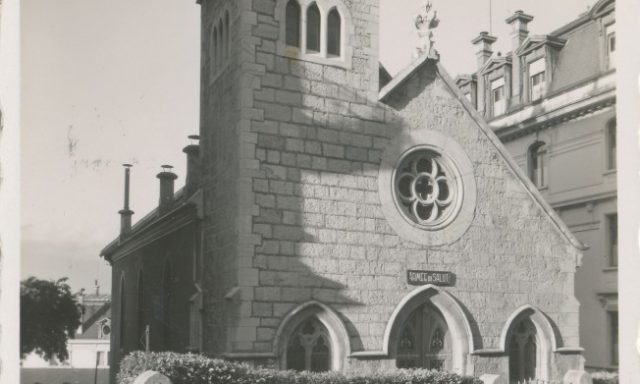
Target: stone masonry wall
{"points": [[304, 190], [219, 140]]}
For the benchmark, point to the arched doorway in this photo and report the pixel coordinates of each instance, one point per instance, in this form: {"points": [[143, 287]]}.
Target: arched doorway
{"points": [[425, 341], [523, 352]]}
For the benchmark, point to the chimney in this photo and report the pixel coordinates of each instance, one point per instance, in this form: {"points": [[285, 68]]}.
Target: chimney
{"points": [[167, 179], [125, 213], [192, 182], [519, 33], [483, 41]]}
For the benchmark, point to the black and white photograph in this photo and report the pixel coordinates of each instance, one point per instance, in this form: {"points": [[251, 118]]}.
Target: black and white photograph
{"points": [[320, 192]]}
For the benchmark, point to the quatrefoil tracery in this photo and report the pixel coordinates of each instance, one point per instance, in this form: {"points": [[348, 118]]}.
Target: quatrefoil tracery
{"points": [[423, 188]]}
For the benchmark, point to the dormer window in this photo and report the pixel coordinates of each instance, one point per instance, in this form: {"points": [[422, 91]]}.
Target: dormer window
{"points": [[537, 85], [610, 33], [498, 101]]}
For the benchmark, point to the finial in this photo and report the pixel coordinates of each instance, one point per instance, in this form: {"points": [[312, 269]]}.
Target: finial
{"points": [[425, 22]]}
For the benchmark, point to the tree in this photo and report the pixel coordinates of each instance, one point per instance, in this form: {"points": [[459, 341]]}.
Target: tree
{"points": [[49, 315]]}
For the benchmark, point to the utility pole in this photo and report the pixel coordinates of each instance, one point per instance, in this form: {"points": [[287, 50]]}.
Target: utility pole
{"points": [[146, 338], [490, 17]]}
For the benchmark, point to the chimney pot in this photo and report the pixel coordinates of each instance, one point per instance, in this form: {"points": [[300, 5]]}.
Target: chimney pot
{"points": [[125, 212], [167, 181], [484, 42], [192, 182]]}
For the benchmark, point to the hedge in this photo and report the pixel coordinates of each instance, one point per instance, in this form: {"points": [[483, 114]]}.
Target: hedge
{"points": [[198, 369], [605, 377]]}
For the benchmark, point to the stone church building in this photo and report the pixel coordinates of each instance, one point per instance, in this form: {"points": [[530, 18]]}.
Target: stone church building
{"points": [[333, 218]]}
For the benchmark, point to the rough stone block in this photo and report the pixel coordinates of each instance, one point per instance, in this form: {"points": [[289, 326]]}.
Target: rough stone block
{"points": [[151, 377]]}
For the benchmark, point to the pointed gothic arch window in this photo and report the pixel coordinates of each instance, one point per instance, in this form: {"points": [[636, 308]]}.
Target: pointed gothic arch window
{"points": [[122, 313], [214, 50], [309, 347], [223, 41], [313, 28], [523, 351], [226, 34], [166, 303], [293, 23], [334, 26], [141, 312], [538, 167], [219, 45]]}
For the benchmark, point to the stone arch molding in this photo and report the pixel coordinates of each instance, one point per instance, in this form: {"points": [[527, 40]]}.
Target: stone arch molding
{"points": [[545, 336], [340, 346], [539, 319], [454, 315]]}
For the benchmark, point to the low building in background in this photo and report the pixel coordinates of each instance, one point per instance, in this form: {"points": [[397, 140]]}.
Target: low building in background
{"points": [[552, 102], [89, 349]]}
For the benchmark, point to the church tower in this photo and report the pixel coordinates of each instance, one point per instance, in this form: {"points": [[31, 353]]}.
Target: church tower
{"points": [[281, 80]]}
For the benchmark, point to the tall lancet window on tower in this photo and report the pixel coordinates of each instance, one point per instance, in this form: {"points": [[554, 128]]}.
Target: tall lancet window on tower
{"points": [[333, 33], [313, 28], [122, 310], [226, 33], [293, 13]]}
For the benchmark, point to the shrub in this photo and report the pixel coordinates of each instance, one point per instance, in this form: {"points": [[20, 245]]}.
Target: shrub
{"points": [[198, 369], [603, 377]]}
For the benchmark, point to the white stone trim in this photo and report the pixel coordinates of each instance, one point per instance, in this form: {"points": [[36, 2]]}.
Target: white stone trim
{"points": [[338, 335], [464, 179], [454, 315], [347, 33]]}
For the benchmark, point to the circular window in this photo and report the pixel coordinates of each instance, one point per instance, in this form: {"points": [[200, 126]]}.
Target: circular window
{"points": [[426, 188]]}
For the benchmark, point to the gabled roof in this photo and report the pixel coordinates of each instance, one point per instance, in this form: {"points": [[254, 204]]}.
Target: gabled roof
{"points": [[181, 201], [532, 191], [535, 41], [494, 63], [104, 311], [462, 80], [602, 7]]}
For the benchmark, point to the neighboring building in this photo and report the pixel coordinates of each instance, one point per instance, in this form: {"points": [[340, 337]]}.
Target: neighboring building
{"points": [[88, 349], [329, 223], [90, 346], [551, 101]]}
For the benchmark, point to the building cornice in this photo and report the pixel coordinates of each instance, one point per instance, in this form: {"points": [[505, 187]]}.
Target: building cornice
{"points": [[590, 97], [166, 225]]}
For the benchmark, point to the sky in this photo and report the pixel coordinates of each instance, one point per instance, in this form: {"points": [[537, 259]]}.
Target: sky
{"points": [[112, 82]]}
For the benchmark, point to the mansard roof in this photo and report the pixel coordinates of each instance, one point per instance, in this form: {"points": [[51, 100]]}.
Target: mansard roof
{"points": [[600, 9], [400, 81], [184, 209]]}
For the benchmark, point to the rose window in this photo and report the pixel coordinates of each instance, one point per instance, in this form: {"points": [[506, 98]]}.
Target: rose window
{"points": [[425, 188]]}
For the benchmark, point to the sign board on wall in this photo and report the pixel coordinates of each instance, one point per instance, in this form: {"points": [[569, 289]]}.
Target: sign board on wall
{"points": [[415, 277]]}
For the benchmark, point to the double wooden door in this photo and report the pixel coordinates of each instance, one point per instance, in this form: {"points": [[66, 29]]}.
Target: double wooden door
{"points": [[425, 341]]}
